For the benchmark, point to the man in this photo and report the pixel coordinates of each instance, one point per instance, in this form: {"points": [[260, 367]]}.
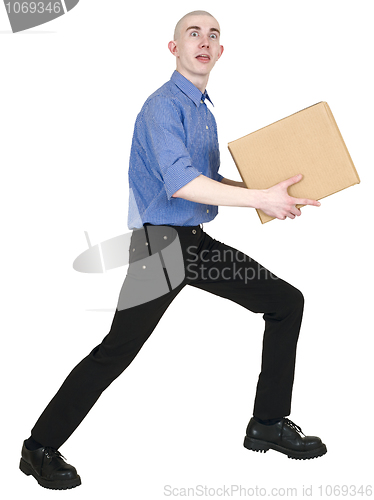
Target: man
{"points": [[175, 186]]}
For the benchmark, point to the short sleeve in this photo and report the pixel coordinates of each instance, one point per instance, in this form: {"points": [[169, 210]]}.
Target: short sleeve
{"points": [[165, 141]]}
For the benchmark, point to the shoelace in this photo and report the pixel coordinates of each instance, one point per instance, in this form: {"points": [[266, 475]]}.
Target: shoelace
{"points": [[293, 425], [50, 452]]}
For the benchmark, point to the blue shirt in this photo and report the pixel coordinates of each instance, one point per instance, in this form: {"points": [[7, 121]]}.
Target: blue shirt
{"points": [[175, 140]]}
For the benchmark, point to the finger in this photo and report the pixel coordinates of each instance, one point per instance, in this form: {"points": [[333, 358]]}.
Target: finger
{"points": [[292, 180], [295, 211], [306, 201]]}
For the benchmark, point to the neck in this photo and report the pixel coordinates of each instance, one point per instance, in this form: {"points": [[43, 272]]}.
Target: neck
{"points": [[200, 81]]}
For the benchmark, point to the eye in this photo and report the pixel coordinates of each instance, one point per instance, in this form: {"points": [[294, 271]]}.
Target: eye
{"points": [[194, 33], [214, 36]]}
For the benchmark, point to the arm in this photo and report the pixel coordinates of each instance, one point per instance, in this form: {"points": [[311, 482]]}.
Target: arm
{"points": [[229, 182], [274, 201]]}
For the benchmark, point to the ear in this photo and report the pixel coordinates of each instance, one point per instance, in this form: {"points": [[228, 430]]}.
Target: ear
{"points": [[220, 52], [173, 48]]}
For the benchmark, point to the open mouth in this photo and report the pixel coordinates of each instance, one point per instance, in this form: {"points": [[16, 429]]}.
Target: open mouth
{"points": [[203, 58]]}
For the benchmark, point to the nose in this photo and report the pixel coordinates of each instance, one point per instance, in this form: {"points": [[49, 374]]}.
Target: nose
{"points": [[204, 41]]}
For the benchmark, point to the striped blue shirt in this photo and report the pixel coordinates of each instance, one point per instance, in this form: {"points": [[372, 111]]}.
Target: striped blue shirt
{"points": [[175, 140]]}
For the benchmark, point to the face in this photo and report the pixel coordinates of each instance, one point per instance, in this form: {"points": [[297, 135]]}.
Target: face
{"points": [[197, 48]]}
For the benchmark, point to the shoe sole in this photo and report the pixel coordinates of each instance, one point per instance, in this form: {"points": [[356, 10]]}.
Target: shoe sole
{"points": [[264, 446], [52, 485]]}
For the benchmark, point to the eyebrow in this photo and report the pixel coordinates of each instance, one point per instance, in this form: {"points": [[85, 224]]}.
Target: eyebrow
{"points": [[198, 28]]}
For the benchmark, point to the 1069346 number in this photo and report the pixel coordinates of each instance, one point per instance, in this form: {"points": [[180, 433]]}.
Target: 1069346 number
{"points": [[34, 7], [345, 490]]}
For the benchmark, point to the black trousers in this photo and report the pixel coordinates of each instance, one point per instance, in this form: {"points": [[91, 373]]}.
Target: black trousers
{"points": [[211, 266]]}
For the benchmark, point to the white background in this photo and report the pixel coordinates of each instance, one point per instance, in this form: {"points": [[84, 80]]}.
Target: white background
{"points": [[70, 93]]}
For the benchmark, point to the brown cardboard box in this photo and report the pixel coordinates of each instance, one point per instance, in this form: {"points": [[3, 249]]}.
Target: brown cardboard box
{"points": [[309, 143]]}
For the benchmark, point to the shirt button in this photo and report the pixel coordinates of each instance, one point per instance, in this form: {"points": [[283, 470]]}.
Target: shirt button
{"points": [[165, 237], [207, 211], [202, 102], [146, 243], [207, 127], [193, 231], [144, 267], [133, 249]]}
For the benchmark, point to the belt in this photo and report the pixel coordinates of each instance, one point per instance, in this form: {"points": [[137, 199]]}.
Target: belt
{"points": [[183, 230]]}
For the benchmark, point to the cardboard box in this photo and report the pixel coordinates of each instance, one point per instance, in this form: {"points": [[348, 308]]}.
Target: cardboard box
{"points": [[309, 143]]}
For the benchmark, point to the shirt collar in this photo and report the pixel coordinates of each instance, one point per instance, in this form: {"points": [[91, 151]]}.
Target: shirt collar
{"points": [[189, 89]]}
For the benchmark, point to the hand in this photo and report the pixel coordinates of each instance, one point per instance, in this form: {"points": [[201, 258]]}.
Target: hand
{"points": [[278, 203]]}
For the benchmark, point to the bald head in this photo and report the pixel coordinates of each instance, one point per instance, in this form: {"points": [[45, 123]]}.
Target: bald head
{"points": [[177, 30]]}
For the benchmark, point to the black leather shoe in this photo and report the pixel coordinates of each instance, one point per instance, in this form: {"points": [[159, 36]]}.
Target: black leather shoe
{"points": [[284, 437], [49, 468]]}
